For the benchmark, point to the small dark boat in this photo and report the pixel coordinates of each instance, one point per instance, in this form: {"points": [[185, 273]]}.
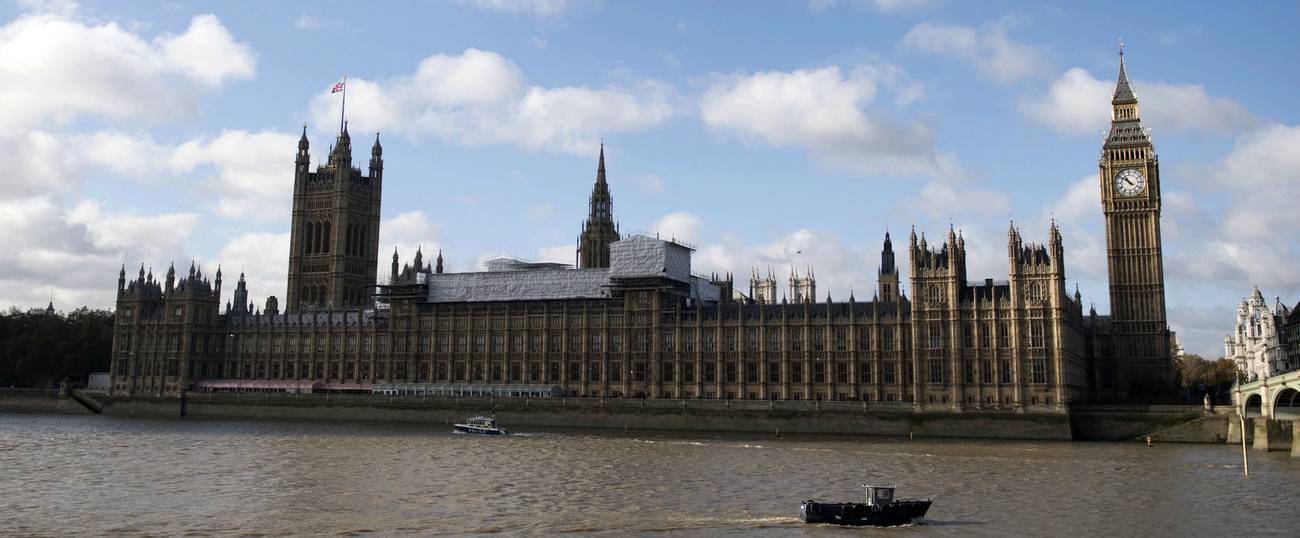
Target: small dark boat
{"points": [[481, 426], [880, 510]]}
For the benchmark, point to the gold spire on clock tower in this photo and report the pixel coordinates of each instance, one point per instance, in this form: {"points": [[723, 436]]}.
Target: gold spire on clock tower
{"points": [[1130, 199]]}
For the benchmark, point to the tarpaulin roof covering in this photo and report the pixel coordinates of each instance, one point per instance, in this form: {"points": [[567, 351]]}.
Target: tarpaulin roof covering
{"points": [[638, 256], [258, 384]]}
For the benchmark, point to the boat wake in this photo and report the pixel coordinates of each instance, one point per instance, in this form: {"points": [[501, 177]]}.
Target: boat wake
{"points": [[759, 522]]}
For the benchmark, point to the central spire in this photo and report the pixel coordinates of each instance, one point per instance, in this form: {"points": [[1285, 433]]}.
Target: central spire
{"points": [[599, 230], [600, 166]]}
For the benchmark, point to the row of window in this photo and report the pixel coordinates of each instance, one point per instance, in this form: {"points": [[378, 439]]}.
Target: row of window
{"points": [[1035, 335], [555, 342], [934, 293], [709, 372]]}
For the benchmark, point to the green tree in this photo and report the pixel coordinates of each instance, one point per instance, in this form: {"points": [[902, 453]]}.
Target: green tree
{"points": [[38, 349]]}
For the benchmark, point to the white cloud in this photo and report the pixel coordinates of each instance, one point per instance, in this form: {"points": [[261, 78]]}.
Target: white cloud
{"points": [[253, 171], [530, 7], [680, 226], [126, 230], [943, 200], [558, 254], [480, 97], [37, 162], [826, 111], [134, 154], [987, 49], [1078, 214], [77, 252], [883, 6], [62, 69], [1082, 199], [1256, 185], [1077, 103], [839, 267], [407, 232], [207, 52], [264, 260], [250, 174]]}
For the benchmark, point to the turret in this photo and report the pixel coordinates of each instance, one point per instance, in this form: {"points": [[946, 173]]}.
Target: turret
{"points": [[303, 160], [419, 259], [393, 275], [121, 279], [341, 155], [803, 289], [241, 296], [218, 283], [376, 158], [887, 275], [171, 278], [1056, 248], [438, 267]]}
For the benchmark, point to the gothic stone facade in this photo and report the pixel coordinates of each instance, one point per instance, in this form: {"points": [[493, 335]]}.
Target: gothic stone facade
{"points": [[624, 324], [1259, 340]]}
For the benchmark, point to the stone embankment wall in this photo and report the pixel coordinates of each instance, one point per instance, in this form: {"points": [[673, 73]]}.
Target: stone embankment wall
{"points": [[1211, 428], [1164, 423], [852, 418], [1122, 422], [39, 401]]}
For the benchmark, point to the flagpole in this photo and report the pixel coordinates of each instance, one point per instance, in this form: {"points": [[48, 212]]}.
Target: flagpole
{"points": [[344, 110]]}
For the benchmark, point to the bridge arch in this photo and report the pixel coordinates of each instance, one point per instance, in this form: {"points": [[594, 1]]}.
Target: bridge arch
{"points": [[1254, 406], [1286, 406]]}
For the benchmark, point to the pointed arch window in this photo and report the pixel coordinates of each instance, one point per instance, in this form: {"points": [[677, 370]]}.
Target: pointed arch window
{"points": [[1035, 292]]}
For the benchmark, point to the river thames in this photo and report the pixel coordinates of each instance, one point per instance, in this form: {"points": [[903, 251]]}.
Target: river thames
{"points": [[96, 475]]}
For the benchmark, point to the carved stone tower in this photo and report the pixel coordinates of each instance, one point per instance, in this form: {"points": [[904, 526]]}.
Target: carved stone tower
{"points": [[599, 230], [762, 289], [334, 241], [887, 275], [1130, 199], [803, 289]]}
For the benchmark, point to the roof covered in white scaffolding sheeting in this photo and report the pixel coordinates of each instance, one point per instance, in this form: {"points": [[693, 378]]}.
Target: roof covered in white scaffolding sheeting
{"points": [[638, 256], [527, 285]]}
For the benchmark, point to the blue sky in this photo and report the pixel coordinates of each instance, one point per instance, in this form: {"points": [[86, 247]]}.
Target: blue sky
{"points": [[770, 134]]}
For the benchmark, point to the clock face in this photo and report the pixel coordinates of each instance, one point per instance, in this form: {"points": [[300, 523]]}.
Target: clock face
{"points": [[1130, 182]]}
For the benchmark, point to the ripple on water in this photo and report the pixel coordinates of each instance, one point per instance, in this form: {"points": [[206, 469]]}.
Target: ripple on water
{"points": [[108, 476]]}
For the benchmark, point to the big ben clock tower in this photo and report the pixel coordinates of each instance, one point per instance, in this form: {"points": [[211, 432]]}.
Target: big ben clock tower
{"points": [[1130, 199]]}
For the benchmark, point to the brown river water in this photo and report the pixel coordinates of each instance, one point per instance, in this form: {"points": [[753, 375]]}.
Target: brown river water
{"points": [[96, 476]]}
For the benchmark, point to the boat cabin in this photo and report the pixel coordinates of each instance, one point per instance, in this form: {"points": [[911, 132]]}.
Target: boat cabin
{"points": [[879, 495]]}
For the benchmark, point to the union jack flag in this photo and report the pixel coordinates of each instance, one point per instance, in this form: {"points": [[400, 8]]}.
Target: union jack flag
{"points": [[337, 88]]}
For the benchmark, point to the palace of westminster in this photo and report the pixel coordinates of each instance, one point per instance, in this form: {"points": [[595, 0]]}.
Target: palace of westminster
{"points": [[632, 320]]}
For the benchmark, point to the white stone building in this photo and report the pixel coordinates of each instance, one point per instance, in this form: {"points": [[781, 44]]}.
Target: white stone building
{"points": [[1256, 343]]}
